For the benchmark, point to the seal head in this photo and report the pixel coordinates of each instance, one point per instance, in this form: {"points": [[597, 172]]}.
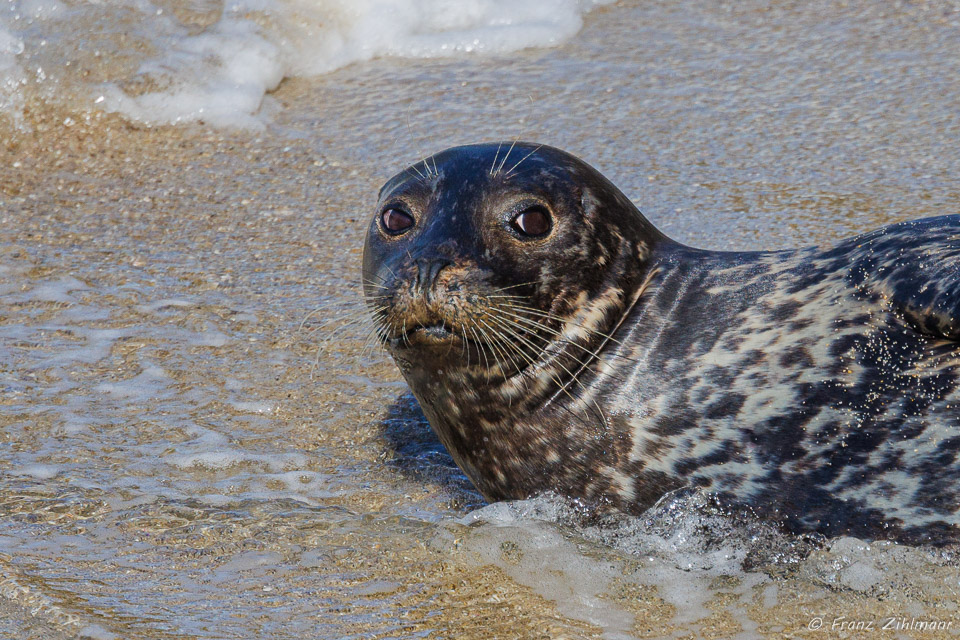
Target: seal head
{"points": [[482, 229]]}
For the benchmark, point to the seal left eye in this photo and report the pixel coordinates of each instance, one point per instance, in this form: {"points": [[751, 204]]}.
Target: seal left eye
{"points": [[396, 221], [532, 221]]}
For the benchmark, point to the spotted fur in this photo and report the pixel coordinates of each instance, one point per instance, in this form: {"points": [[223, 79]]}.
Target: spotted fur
{"points": [[819, 386]]}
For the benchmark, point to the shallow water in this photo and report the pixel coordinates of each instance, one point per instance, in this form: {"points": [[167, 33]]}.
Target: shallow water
{"points": [[179, 457]]}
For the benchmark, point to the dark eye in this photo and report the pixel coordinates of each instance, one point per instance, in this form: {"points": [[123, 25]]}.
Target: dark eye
{"points": [[532, 221], [396, 221]]}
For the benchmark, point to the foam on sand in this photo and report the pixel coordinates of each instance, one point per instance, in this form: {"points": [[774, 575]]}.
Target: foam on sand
{"points": [[216, 64]]}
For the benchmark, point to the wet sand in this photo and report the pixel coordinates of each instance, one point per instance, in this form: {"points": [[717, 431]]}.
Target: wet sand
{"points": [[180, 458]]}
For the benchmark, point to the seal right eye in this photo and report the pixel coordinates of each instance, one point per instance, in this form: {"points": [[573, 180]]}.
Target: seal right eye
{"points": [[396, 221]]}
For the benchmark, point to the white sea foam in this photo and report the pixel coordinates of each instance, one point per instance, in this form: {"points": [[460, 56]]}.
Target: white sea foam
{"points": [[225, 458], [17, 18], [39, 471], [11, 74], [221, 72], [254, 407], [145, 386], [681, 546]]}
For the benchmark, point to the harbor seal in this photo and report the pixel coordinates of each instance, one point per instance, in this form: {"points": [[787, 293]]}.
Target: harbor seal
{"points": [[556, 340]]}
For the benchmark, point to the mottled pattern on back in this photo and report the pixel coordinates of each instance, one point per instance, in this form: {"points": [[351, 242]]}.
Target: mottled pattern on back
{"points": [[819, 386]]}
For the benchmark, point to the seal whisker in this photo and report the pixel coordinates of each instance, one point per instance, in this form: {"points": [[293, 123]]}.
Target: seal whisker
{"points": [[484, 342], [563, 340], [505, 346], [308, 316], [502, 348], [480, 349], [563, 387], [365, 277], [466, 345], [422, 177], [495, 155], [514, 354], [531, 327], [354, 316], [358, 322], [379, 285], [370, 324], [566, 321], [414, 176], [506, 176], [514, 286], [351, 315], [556, 318], [375, 336], [499, 357], [381, 301], [419, 149], [525, 171], [373, 340], [358, 305], [392, 273], [560, 385], [526, 372], [509, 151], [531, 322], [516, 332]]}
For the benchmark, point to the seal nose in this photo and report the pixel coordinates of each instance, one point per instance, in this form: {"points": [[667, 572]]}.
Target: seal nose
{"points": [[428, 269]]}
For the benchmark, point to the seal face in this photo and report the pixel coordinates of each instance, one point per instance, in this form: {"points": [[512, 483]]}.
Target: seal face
{"points": [[557, 341]]}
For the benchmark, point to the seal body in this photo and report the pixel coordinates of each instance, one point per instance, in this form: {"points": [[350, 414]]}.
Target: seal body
{"points": [[598, 358]]}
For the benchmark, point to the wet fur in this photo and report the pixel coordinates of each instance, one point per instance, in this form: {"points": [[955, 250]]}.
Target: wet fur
{"points": [[820, 386]]}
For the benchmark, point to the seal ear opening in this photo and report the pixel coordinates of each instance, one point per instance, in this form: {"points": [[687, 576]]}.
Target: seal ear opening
{"points": [[589, 204]]}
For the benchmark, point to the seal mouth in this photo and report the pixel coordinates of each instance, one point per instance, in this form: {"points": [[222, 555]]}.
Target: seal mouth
{"points": [[426, 335]]}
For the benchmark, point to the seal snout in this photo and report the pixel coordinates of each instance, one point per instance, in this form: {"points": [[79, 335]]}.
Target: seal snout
{"points": [[426, 304]]}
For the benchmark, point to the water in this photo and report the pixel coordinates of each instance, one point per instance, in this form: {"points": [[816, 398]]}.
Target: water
{"points": [[177, 458], [167, 62]]}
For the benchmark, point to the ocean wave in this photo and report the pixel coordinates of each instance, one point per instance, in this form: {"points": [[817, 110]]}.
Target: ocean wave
{"points": [[166, 62]]}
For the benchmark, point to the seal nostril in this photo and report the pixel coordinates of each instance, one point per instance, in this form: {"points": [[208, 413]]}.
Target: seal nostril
{"points": [[428, 269]]}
